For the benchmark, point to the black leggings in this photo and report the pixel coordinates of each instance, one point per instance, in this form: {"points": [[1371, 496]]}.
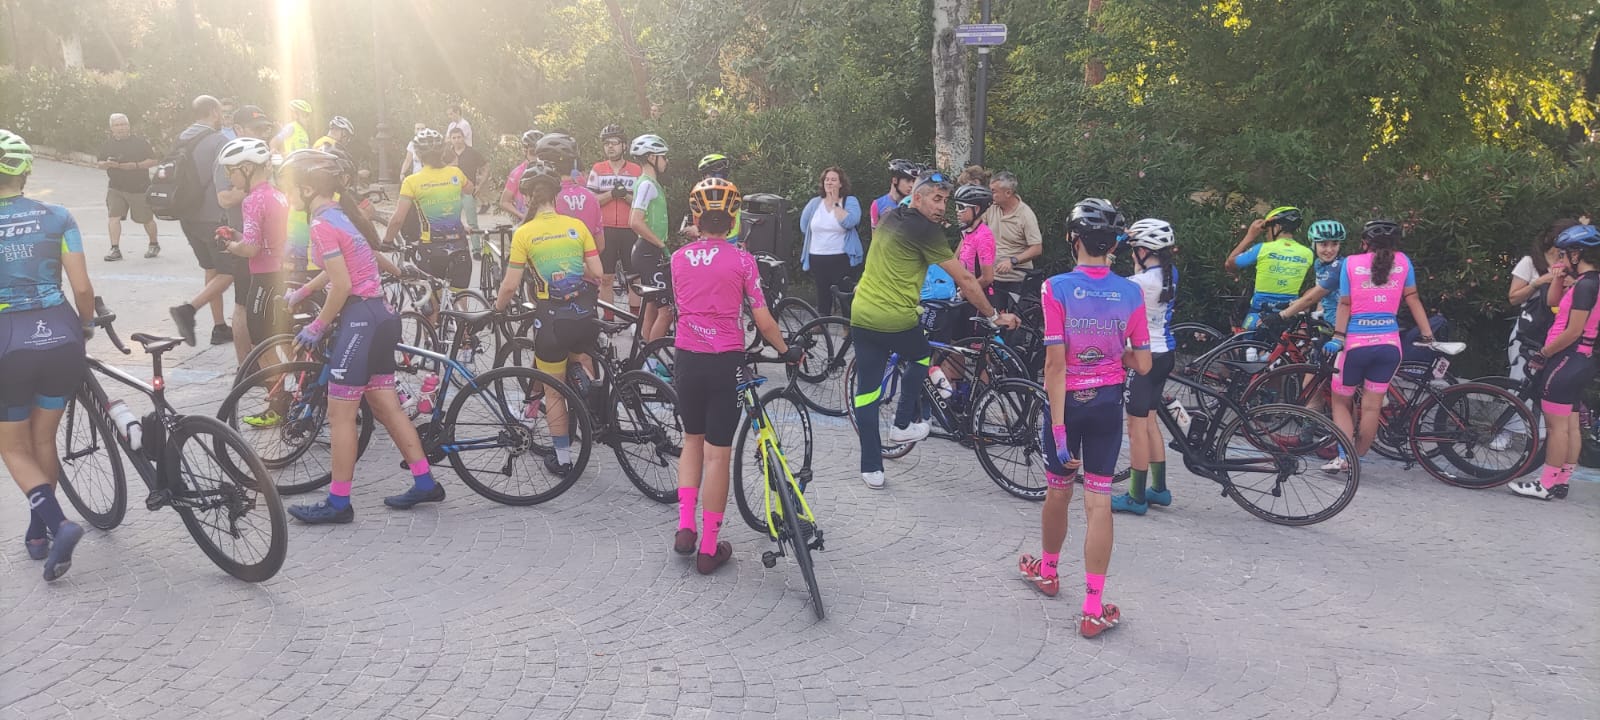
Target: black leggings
{"points": [[827, 271]]}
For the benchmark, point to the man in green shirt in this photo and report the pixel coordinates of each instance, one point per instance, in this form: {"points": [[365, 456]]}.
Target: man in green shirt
{"points": [[886, 310]]}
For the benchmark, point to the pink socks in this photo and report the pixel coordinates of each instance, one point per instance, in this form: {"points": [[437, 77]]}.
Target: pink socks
{"points": [[708, 536], [1048, 563], [1551, 476], [1566, 473], [1096, 585], [687, 498]]}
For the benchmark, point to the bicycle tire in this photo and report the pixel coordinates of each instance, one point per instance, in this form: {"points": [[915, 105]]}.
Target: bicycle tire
{"points": [[252, 359], [663, 351], [516, 352], [889, 400], [502, 406], [1267, 429], [1007, 425], [248, 488], [1444, 413], [791, 422], [819, 377], [792, 314], [798, 545], [91, 471], [1516, 388], [646, 434], [1287, 384], [418, 332], [293, 467]]}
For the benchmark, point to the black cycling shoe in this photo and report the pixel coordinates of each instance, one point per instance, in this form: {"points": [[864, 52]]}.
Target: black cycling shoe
{"points": [[323, 514], [413, 497], [555, 468]]}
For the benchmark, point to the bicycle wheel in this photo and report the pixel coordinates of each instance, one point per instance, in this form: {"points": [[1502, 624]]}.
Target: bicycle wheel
{"points": [[281, 348], [516, 352], [1007, 426], [646, 434], [91, 464], [799, 546], [888, 401], [1268, 458], [1214, 371], [477, 348], [1473, 436], [791, 423], [281, 413], [1194, 339], [659, 356], [1516, 387], [499, 451], [792, 315], [226, 498], [819, 377]]}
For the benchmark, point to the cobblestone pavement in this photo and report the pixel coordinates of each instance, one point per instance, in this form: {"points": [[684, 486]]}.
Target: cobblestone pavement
{"points": [[1419, 601]]}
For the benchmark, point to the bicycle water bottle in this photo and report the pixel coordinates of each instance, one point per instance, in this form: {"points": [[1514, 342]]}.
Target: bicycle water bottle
{"points": [[940, 382], [408, 402], [127, 423], [429, 385], [1181, 415]]}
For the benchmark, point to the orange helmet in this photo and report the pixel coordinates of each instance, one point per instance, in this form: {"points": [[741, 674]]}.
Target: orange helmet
{"points": [[715, 194]]}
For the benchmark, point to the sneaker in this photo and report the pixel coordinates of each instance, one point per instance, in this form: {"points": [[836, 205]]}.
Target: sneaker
{"points": [[1033, 571], [221, 335], [152, 251], [1501, 441], [1336, 466], [1157, 497], [915, 432], [708, 564], [1092, 625], [268, 419], [37, 549], [114, 255], [1533, 489], [873, 480], [59, 559], [556, 468], [684, 541], [183, 315], [322, 514], [1125, 503], [413, 497]]}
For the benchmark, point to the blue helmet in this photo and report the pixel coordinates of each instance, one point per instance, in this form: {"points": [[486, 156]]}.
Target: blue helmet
{"points": [[1578, 237]]}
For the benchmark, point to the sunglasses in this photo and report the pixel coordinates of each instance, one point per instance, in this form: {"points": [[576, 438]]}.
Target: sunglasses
{"points": [[963, 207], [940, 180]]}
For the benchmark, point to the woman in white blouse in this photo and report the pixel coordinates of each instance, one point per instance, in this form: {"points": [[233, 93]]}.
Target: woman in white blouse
{"points": [[832, 249], [1529, 279]]}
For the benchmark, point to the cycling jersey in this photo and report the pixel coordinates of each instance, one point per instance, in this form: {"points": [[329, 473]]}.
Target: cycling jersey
{"points": [[1372, 306], [977, 250], [649, 197], [556, 246], [326, 142], [1581, 295], [333, 235], [711, 282], [33, 237], [514, 184], [903, 247], [436, 192], [1281, 267], [602, 178], [1157, 314], [1096, 315], [577, 202], [294, 137], [881, 207], [1328, 279], [266, 225]]}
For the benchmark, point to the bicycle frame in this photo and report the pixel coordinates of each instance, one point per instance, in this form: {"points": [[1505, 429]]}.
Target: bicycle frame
{"points": [[951, 420], [767, 448], [447, 379]]}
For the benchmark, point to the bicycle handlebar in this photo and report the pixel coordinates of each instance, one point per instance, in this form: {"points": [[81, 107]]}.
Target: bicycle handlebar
{"points": [[103, 317]]}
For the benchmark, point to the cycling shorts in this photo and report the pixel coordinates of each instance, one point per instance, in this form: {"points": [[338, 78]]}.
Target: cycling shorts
{"points": [[1564, 379], [1371, 367], [708, 399], [264, 312], [42, 360], [649, 262], [559, 337], [1144, 391], [452, 263], [1094, 435], [362, 356], [618, 250]]}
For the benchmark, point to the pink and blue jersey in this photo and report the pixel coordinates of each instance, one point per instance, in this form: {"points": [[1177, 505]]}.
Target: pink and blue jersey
{"points": [[711, 280], [1096, 315], [266, 225], [1373, 305], [333, 235], [881, 207]]}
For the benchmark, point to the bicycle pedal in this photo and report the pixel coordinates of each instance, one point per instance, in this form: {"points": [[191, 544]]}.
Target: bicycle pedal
{"points": [[157, 500]]}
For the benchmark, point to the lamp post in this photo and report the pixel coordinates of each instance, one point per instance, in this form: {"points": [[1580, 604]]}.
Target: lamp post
{"points": [[380, 70]]}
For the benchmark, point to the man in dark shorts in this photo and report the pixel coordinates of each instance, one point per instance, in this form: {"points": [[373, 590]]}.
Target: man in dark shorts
{"points": [[127, 159], [200, 224]]}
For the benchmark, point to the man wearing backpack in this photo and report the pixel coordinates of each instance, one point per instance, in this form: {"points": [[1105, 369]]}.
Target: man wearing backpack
{"points": [[200, 221]]}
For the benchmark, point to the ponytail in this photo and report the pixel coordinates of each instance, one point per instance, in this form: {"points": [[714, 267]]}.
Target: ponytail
{"points": [[352, 210], [1382, 263], [1169, 275]]}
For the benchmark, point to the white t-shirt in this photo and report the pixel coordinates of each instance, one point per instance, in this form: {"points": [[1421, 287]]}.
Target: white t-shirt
{"points": [[1525, 270], [827, 235], [1157, 314], [416, 162]]}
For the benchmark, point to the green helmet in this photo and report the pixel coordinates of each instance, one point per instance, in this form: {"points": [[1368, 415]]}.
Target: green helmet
{"points": [[1326, 231], [1287, 218], [715, 163], [16, 158]]}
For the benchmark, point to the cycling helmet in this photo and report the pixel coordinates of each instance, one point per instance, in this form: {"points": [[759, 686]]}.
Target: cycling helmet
{"points": [[428, 139], [347, 165], [1578, 237], [646, 145], [530, 139], [612, 131], [1286, 218], [244, 150], [315, 169], [1383, 233], [715, 164], [16, 158], [715, 194], [1326, 231], [538, 172], [300, 106], [902, 169], [975, 195], [341, 122], [1151, 234], [556, 148], [1097, 224]]}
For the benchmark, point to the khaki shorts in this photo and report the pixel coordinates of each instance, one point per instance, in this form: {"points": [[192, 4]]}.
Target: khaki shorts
{"points": [[120, 204]]}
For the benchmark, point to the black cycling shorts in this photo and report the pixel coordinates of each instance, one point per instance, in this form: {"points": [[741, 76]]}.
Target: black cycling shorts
{"points": [[1564, 379], [618, 250], [42, 360], [1144, 391], [364, 343], [708, 399], [560, 337], [650, 263], [264, 312], [452, 263]]}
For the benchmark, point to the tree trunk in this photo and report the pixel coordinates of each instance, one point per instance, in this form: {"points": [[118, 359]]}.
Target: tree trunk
{"points": [[72, 51], [1591, 91], [1094, 69], [952, 96], [630, 47]]}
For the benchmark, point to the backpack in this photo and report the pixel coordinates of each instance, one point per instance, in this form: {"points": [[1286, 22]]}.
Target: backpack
{"points": [[1534, 322], [176, 189]]}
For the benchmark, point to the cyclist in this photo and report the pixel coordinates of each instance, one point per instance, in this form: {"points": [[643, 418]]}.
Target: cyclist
{"points": [[713, 281], [265, 211], [1091, 318], [1371, 286], [1327, 237], [361, 361], [886, 313], [1152, 242], [566, 266], [649, 221], [437, 192], [294, 136], [612, 181], [717, 166], [902, 177], [511, 198], [41, 348], [1281, 262], [976, 252], [340, 131], [575, 201], [1571, 364]]}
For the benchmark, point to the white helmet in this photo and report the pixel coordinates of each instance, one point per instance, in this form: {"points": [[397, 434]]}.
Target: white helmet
{"points": [[342, 123], [244, 150], [1151, 234], [647, 145]]}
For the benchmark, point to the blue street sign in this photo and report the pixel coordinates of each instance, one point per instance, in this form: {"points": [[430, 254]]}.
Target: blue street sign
{"points": [[983, 35]]}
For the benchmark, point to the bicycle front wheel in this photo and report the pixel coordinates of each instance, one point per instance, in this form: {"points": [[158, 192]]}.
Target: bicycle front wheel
{"points": [[281, 412], [1268, 460], [277, 349], [793, 314], [498, 436], [226, 498], [795, 534], [819, 377], [791, 423], [1007, 429], [646, 434], [1473, 435], [91, 464]]}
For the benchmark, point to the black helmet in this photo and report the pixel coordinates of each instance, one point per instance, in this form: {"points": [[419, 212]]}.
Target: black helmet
{"points": [[316, 169], [538, 172], [975, 195], [1382, 233], [902, 169], [1097, 224], [530, 139], [612, 131], [556, 148]]}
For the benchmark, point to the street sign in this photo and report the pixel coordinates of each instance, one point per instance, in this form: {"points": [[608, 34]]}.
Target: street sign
{"points": [[983, 35]]}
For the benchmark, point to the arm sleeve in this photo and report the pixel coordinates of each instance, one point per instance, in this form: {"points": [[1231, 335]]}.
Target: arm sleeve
{"points": [[1139, 328], [1030, 229], [71, 239], [1411, 274], [643, 193], [985, 246], [1248, 257], [408, 187], [587, 236], [251, 211], [1055, 317], [323, 242], [752, 280], [1344, 279], [1525, 270], [873, 215], [852, 213], [1586, 293]]}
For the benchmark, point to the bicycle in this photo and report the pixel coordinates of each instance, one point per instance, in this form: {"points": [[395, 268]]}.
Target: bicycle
{"points": [[1529, 392], [191, 463]]}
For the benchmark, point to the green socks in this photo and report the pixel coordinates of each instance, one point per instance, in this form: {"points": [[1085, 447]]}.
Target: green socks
{"points": [[1136, 485], [1158, 477]]}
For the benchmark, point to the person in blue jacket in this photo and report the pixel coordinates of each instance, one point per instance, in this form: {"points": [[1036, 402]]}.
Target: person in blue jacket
{"points": [[832, 251]]}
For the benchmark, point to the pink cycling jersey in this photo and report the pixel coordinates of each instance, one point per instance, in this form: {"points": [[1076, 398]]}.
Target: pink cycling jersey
{"points": [[711, 280], [579, 203], [977, 250], [1372, 306], [514, 184], [1582, 294], [266, 225], [1096, 315], [333, 235]]}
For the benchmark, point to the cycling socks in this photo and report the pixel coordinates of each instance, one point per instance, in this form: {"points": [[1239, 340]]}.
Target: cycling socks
{"points": [[1096, 586], [563, 445], [1136, 485], [1566, 473], [43, 501], [35, 527], [712, 522], [1048, 563], [1549, 477], [421, 475], [339, 492], [687, 498], [1158, 475]]}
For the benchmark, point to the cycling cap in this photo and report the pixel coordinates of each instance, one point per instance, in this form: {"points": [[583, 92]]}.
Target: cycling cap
{"points": [[1326, 231], [715, 164], [715, 194], [1151, 234], [556, 147], [646, 145], [1287, 218], [244, 150], [16, 157], [1578, 237]]}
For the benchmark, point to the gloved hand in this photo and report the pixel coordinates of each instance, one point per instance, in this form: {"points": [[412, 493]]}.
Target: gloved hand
{"points": [[1059, 434], [311, 334], [294, 297], [88, 332], [793, 355], [223, 236], [1334, 346], [1536, 363]]}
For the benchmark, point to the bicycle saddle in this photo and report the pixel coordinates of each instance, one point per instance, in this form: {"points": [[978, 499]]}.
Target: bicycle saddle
{"points": [[612, 328], [155, 345]]}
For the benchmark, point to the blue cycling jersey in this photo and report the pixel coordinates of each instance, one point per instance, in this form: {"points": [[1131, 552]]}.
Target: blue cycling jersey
{"points": [[1328, 279], [33, 237]]}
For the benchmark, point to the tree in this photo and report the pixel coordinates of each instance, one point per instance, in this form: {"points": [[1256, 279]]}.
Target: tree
{"points": [[952, 98]]}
